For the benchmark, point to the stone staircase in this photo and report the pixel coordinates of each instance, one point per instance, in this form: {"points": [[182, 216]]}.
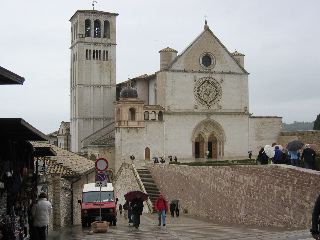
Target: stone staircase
{"points": [[150, 186]]}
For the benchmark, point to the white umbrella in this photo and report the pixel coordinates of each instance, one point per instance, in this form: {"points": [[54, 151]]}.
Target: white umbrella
{"points": [[269, 151]]}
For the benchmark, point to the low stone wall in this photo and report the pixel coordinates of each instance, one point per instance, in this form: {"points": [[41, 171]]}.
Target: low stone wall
{"points": [[265, 195], [126, 181]]}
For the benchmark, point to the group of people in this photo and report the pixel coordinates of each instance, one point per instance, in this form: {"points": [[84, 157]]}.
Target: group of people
{"points": [[156, 160], [133, 210], [283, 156]]}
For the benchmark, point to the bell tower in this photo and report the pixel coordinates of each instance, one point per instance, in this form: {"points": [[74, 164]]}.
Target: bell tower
{"points": [[92, 73]]}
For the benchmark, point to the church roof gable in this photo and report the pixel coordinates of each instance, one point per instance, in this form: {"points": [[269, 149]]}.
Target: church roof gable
{"points": [[206, 42]]}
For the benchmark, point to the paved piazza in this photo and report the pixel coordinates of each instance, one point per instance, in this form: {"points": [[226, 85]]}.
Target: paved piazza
{"points": [[183, 228]]}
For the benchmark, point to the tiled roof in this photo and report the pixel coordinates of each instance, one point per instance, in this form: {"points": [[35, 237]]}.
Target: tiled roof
{"points": [[65, 162], [106, 140]]}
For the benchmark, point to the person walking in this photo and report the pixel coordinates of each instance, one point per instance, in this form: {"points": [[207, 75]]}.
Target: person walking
{"points": [[120, 209], [162, 208], [315, 229], [125, 208], [41, 212], [137, 209], [308, 156]]}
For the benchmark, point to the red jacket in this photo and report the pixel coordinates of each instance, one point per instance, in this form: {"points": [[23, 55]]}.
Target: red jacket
{"points": [[161, 204]]}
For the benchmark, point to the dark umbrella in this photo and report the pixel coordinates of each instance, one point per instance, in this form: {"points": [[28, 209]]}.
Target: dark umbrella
{"points": [[129, 196], [295, 145]]}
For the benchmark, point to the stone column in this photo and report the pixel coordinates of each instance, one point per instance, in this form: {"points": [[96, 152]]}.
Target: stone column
{"points": [[56, 204]]}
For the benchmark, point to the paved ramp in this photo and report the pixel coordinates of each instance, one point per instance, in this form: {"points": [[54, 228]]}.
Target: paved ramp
{"points": [[182, 228]]}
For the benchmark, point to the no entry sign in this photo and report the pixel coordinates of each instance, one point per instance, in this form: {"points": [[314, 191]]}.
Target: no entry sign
{"points": [[101, 164]]}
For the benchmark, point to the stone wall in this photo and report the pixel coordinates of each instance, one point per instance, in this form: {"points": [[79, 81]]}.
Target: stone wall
{"points": [[311, 137], [263, 131], [126, 181], [77, 187], [269, 195], [66, 203]]}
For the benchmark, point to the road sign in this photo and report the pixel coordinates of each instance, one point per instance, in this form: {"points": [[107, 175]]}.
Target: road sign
{"points": [[101, 164], [101, 179]]}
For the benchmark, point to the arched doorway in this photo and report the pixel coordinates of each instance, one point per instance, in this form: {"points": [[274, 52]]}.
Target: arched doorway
{"points": [[208, 138], [199, 147], [132, 114], [212, 146], [147, 153]]}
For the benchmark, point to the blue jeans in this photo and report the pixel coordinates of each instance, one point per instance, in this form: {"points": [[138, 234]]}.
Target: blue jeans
{"points": [[294, 162], [162, 217]]}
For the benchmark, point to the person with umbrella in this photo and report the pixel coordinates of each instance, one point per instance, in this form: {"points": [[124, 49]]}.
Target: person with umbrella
{"points": [[293, 148], [137, 209], [162, 208], [308, 156], [136, 199]]}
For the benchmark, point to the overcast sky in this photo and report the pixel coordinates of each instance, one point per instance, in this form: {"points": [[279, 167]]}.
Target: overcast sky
{"points": [[280, 39]]}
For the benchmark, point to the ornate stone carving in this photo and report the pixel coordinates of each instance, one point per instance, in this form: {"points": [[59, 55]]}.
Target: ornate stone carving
{"points": [[207, 91]]}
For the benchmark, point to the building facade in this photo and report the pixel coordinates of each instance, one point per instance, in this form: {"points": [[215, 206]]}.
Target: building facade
{"points": [[195, 106]]}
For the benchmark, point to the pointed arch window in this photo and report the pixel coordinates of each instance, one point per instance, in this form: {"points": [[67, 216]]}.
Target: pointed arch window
{"points": [[87, 27], [160, 116], [153, 116], [146, 115], [97, 28], [106, 29], [132, 114], [118, 114]]}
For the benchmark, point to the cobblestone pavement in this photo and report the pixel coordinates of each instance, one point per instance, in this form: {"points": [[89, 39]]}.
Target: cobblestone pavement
{"points": [[183, 228]]}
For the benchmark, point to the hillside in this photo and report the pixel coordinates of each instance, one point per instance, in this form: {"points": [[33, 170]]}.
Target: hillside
{"points": [[297, 126]]}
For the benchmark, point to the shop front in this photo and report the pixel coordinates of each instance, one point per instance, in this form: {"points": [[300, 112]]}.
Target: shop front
{"points": [[18, 176]]}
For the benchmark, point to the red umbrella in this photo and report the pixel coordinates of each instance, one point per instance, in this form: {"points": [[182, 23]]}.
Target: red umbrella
{"points": [[129, 196]]}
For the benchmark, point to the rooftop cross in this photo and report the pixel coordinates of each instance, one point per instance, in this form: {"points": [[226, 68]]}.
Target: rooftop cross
{"points": [[93, 2]]}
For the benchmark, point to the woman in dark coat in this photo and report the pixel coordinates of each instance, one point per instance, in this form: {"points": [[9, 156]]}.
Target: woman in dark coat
{"points": [[137, 209], [315, 220]]}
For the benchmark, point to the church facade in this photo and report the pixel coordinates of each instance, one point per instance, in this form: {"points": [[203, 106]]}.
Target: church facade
{"points": [[195, 106]]}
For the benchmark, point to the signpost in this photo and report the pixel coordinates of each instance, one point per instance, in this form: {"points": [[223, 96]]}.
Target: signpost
{"points": [[101, 175]]}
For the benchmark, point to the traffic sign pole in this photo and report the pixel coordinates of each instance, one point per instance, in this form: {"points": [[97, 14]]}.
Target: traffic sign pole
{"points": [[102, 165]]}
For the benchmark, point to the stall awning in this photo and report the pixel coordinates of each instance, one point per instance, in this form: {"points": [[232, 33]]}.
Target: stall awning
{"points": [[8, 77], [19, 129]]}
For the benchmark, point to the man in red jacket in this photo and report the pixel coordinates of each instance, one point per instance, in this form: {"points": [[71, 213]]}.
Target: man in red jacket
{"points": [[162, 208]]}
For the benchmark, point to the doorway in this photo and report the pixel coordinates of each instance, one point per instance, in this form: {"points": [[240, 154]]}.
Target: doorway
{"points": [[199, 147], [147, 153]]}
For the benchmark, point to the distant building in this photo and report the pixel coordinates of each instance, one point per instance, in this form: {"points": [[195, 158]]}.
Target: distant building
{"points": [[63, 136], [195, 106], [53, 138]]}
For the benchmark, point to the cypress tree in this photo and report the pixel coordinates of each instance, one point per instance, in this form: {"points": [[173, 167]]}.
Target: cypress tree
{"points": [[316, 125]]}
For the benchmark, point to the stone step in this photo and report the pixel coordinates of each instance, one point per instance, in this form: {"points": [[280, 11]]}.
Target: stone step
{"points": [[145, 175], [147, 180], [153, 191], [143, 170]]}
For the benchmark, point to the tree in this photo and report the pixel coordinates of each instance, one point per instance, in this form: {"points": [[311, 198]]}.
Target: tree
{"points": [[316, 125]]}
